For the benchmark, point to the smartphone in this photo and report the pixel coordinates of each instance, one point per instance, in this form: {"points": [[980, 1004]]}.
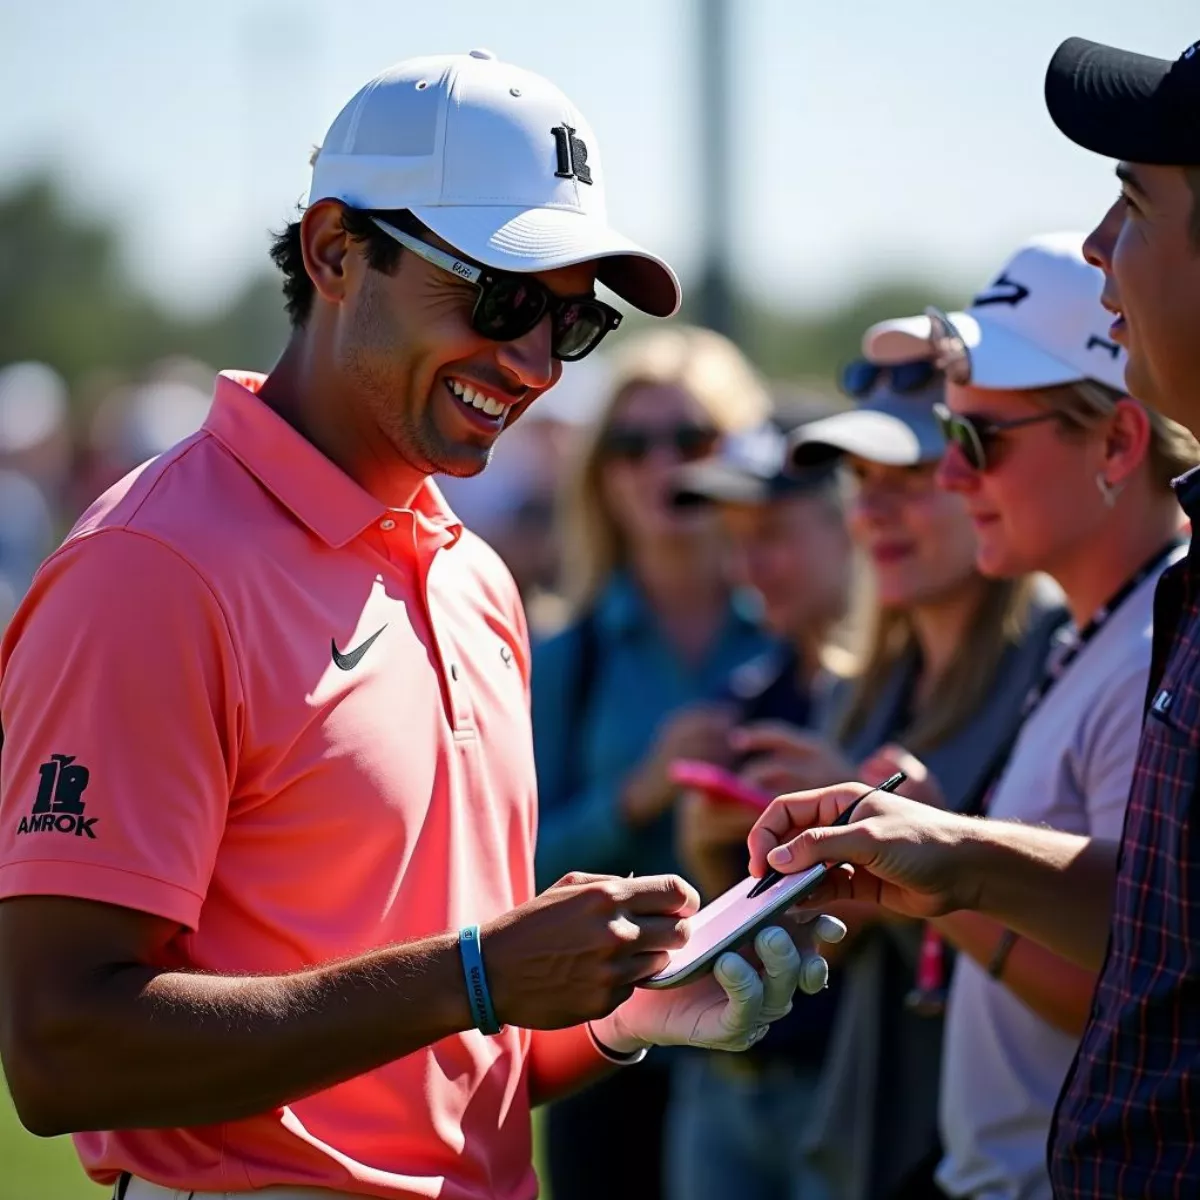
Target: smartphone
{"points": [[718, 784], [734, 919], [730, 921]]}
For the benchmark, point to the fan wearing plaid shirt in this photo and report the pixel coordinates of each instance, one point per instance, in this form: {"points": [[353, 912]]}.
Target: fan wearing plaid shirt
{"points": [[1128, 1119]]}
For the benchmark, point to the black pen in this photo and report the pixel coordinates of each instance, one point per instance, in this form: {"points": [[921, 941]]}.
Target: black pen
{"points": [[773, 876]]}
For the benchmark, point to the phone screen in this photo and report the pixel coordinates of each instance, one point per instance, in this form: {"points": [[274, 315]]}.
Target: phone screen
{"points": [[730, 921]]}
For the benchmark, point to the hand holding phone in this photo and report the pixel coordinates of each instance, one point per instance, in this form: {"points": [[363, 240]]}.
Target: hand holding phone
{"points": [[717, 784], [734, 918]]}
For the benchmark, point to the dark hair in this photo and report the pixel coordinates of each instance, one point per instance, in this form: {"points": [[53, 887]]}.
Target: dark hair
{"points": [[383, 253]]}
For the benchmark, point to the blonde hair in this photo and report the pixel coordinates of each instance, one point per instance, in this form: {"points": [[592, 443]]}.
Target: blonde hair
{"points": [[1000, 621], [706, 365], [1084, 404]]}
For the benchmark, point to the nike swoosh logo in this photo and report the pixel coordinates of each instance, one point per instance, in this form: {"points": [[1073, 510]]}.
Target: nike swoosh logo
{"points": [[352, 658]]}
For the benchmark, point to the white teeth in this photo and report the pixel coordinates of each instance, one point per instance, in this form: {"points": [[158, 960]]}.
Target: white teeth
{"points": [[485, 404]]}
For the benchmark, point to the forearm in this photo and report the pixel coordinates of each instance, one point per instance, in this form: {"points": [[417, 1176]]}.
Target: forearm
{"points": [[145, 1049], [1056, 990], [1053, 887], [562, 1061]]}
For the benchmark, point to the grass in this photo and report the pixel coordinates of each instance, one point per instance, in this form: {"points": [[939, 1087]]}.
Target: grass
{"points": [[47, 1169], [39, 1168]]}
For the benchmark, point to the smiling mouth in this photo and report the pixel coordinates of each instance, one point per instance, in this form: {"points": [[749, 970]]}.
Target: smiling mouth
{"points": [[478, 402]]}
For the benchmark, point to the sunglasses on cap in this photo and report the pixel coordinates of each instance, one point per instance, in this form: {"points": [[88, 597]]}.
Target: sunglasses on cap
{"points": [[690, 442], [974, 436], [860, 378], [949, 348], [510, 305]]}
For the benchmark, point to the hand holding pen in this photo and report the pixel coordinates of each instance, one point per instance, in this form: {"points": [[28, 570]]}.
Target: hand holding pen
{"points": [[903, 855], [772, 876]]}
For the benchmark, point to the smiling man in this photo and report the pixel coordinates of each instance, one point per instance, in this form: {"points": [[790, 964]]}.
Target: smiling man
{"points": [[1127, 1119], [267, 799]]}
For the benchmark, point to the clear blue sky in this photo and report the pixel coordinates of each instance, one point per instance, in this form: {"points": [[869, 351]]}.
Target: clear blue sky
{"points": [[873, 136]]}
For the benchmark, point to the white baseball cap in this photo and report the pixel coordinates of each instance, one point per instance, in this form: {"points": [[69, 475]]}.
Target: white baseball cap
{"points": [[496, 161], [1037, 324]]}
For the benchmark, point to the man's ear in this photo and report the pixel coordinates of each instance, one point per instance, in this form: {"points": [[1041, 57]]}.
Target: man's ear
{"points": [[325, 246]]}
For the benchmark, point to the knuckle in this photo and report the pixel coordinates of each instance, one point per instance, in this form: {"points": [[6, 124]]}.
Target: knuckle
{"points": [[609, 889]]}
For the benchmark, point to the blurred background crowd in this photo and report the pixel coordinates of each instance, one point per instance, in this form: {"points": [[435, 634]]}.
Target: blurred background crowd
{"points": [[691, 595]]}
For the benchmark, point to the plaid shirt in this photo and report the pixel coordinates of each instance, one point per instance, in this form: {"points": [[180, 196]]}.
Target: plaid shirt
{"points": [[1128, 1120]]}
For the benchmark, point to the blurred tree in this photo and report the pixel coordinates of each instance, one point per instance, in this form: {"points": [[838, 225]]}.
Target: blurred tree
{"points": [[65, 298], [817, 346]]}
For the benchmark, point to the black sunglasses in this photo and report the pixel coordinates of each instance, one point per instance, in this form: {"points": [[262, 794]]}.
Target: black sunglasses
{"points": [[974, 436], [690, 442], [860, 378], [510, 305]]}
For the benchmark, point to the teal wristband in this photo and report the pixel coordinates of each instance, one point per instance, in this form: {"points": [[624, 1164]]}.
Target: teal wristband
{"points": [[477, 988]]}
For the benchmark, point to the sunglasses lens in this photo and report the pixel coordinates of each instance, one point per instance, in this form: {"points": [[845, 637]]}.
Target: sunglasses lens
{"points": [[509, 307], [578, 328], [912, 376], [694, 443], [859, 377], [631, 445], [690, 442], [961, 433]]}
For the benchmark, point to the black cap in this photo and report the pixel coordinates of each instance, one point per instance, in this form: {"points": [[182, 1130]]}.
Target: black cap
{"points": [[750, 468], [1127, 106]]}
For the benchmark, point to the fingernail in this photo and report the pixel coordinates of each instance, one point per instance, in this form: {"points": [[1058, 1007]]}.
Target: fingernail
{"points": [[780, 856], [777, 941]]}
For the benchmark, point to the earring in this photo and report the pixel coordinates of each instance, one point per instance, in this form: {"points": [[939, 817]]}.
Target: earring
{"points": [[1109, 491]]}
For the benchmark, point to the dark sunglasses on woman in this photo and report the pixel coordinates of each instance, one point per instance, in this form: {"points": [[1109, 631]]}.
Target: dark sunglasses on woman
{"points": [[510, 305], [690, 442], [975, 436]]}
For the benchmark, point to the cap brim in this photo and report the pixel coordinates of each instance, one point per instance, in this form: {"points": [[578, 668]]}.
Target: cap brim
{"points": [[543, 239], [999, 358], [706, 483], [1115, 103], [880, 437]]}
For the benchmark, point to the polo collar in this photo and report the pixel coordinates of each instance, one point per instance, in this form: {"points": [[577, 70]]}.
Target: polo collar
{"points": [[1187, 492], [314, 489]]}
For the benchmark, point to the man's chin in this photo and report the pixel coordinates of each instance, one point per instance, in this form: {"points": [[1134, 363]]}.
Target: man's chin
{"points": [[464, 462]]}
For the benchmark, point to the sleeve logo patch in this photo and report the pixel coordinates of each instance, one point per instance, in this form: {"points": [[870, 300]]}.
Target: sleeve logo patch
{"points": [[59, 807]]}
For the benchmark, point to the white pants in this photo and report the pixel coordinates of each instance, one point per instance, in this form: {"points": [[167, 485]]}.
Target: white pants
{"points": [[140, 1189]]}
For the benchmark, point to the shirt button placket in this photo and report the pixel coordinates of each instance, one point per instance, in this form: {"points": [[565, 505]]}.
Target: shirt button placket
{"points": [[458, 700]]}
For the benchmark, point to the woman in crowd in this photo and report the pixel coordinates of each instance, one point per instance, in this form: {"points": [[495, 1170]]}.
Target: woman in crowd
{"points": [[1061, 472], [731, 1129], [948, 659], [625, 688]]}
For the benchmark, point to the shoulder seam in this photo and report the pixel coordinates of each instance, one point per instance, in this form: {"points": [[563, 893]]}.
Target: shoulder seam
{"points": [[187, 562]]}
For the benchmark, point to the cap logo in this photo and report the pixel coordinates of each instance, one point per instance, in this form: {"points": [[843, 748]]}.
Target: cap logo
{"points": [[1190, 52], [1099, 343], [1003, 291], [572, 155]]}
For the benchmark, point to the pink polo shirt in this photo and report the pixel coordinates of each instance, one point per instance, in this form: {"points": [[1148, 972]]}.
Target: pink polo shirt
{"points": [[245, 696]]}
